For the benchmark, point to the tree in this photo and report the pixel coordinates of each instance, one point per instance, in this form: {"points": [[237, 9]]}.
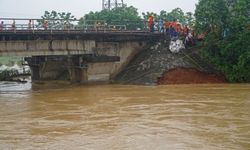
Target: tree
{"points": [[211, 16], [118, 16], [176, 15], [147, 14], [129, 16], [240, 15], [228, 52], [189, 19], [163, 15], [57, 19]]}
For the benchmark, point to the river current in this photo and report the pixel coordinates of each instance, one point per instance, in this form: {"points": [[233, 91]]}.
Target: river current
{"points": [[121, 117]]}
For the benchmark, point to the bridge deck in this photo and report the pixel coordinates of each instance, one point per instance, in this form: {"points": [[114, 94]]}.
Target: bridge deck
{"points": [[103, 35]]}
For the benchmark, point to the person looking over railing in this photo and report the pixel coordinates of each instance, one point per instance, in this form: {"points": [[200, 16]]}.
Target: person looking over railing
{"points": [[1, 26], [13, 26], [151, 23], [161, 26], [45, 24], [29, 25], [66, 26], [114, 28]]}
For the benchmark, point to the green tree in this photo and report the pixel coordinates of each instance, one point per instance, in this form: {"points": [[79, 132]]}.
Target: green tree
{"points": [[163, 15], [118, 16], [189, 19], [147, 14], [230, 52], [240, 15], [176, 15], [57, 19], [211, 15]]}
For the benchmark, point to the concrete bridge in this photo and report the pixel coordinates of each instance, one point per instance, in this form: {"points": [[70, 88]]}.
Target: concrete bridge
{"points": [[83, 56], [60, 42]]}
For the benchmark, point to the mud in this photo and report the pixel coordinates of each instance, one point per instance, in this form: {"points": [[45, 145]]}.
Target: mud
{"points": [[189, 76]]}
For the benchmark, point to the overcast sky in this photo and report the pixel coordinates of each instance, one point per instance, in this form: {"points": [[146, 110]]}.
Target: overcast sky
{"points": [[36, 8]]}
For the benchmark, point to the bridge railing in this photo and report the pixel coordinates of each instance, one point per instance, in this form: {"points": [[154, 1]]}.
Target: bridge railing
{"points": [[57, 25], [9, 27]]}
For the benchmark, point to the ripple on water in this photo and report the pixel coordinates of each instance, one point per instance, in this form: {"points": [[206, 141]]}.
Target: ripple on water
{"points": [[128, 117]]}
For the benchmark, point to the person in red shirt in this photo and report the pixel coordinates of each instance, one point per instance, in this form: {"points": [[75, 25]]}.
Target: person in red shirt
{"points": [[151, 23], [167, 26]]}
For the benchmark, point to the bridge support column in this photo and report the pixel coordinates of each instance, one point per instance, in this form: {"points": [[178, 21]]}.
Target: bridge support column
{"points": [[35, 73], [77, 68], [72, 68], [48, 67], [78, 75]]}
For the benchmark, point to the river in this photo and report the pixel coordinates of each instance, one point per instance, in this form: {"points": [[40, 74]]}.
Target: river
{"points": [[121, 117]]}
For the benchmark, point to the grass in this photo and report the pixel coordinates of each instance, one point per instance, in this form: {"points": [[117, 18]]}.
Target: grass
{"points": [[10, 61]]}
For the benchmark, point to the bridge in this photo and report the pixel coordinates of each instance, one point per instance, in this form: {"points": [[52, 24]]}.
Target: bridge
{"points": [[85, 53]]}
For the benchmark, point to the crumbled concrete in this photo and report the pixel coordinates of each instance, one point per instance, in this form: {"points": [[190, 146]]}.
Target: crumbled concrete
{"points": [[150, 64]]}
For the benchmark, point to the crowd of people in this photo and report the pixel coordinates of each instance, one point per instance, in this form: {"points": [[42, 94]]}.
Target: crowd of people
{"points": [[175, 29]]}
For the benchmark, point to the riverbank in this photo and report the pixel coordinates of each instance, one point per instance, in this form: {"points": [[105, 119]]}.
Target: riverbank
{"points": [[157, 65], [189, 76]]}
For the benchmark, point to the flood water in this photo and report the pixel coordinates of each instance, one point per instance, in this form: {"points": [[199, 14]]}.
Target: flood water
{"points": [[121, 117]]}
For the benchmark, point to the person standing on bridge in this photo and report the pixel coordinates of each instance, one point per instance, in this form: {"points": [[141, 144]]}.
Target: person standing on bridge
{"points": [[66, 26], [151, 23], [29, 25], [161, 26], [13, 26], [45, 25], [1, 26]]}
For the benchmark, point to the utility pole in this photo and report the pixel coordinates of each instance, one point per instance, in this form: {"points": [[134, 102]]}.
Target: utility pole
{"points": [[110, 4]]}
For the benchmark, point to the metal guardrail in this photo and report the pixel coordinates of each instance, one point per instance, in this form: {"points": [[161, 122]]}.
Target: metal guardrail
{"points": [[39, 28], [12, 25]]}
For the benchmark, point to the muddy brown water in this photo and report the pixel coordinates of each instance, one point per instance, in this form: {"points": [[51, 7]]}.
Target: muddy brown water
{"points": [[121, 117]]}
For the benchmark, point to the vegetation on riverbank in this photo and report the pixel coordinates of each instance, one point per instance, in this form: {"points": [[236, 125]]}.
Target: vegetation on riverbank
{"points": [[227, 23]]}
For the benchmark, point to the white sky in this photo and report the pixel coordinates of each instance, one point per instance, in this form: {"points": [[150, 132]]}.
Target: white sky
{"points": [[36, 8]]}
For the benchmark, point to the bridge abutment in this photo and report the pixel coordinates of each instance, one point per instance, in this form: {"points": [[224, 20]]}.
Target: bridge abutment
{"points": [[57, 68], [78, 75], [76, 56], [35, 73], [48, 67], [105, 61]]}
